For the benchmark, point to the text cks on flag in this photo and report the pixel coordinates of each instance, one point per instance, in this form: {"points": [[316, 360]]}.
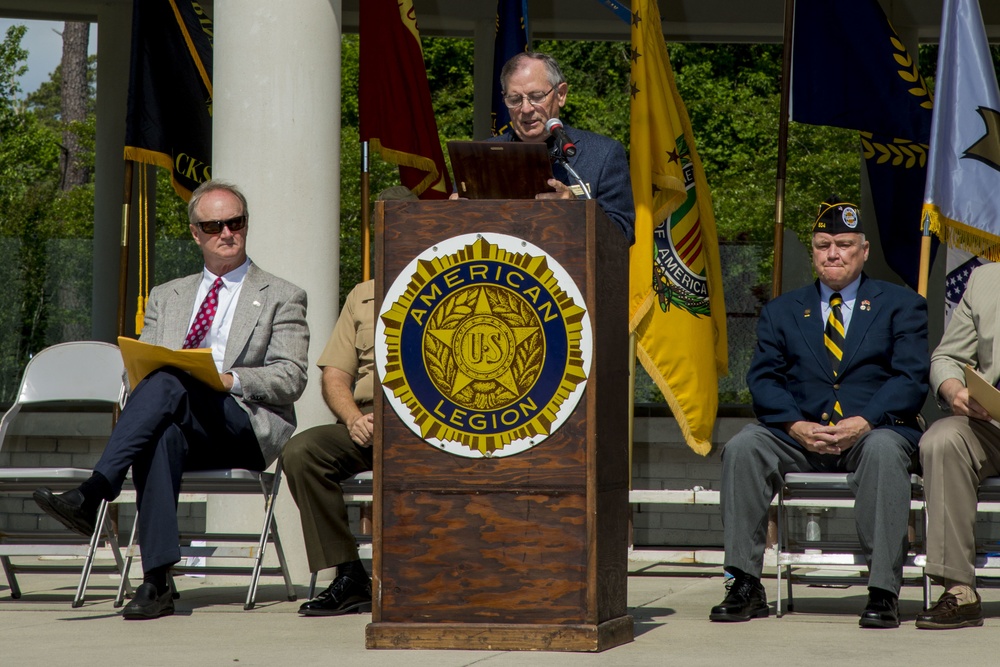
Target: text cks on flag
{"points": [[169, 115]]}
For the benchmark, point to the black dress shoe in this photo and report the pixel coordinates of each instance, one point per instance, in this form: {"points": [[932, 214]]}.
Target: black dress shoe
{"points": [[344, 596], [146, 604], [745, 599], [882, 611], [947, 614], [68, 509]]}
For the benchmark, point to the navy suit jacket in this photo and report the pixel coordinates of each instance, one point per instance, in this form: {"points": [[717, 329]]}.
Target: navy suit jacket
{"points": [[883, 373], [602, 165]]}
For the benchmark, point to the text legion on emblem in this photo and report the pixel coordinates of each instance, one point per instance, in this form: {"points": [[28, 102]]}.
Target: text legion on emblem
{"points": [[483, 345]]}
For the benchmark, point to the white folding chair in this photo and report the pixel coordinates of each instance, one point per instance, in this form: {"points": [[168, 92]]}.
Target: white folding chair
{"points": [[71, 377], [228, 481], [826, 490]]}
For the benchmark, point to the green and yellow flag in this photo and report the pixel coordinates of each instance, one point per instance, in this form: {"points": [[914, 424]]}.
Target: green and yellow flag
{"points": [[676, 306]]}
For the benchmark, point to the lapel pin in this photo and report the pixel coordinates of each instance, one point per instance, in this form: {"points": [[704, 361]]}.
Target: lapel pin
{"points": [[807, 312], [257, 303], [866, 305]]}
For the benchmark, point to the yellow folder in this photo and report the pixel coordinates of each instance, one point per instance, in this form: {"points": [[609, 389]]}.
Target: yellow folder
{"points": [[984, 393], [141, 359]]}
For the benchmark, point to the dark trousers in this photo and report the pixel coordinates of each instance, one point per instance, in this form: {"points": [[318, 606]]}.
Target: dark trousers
{"points": [[315, 462], [754, 462], [170, 424]]}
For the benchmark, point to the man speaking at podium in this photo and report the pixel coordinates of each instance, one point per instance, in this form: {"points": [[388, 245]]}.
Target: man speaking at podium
{"points": [[534, 89]]}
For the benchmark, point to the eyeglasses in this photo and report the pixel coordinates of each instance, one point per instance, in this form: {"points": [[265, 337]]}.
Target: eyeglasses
{"points": [[515, 101], [215, 226]]}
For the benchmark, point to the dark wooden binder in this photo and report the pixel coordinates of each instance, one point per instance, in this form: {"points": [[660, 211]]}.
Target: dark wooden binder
{"points": [[527, 551]]}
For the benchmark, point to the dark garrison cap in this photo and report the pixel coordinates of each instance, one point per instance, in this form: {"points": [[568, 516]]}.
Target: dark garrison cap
{"points": [[838, 217]]}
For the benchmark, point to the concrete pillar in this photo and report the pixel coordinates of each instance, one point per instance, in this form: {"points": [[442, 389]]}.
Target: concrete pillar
{"points": [[276, 133], [113, 47]]}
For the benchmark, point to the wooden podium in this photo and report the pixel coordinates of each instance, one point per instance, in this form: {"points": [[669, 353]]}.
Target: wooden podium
{"points": [[527, 551]]}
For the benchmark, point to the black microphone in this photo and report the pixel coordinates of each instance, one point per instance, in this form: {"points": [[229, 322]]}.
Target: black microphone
{"points": [[555, 128]]}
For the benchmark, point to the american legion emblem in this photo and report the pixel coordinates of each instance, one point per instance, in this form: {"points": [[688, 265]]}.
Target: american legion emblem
{"points": [[483, 345]]}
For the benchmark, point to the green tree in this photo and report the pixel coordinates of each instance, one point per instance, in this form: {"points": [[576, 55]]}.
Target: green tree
{"points": [[29, 155]]}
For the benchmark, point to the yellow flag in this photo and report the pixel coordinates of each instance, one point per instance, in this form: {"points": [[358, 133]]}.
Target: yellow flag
{"points": [[676, 306]]}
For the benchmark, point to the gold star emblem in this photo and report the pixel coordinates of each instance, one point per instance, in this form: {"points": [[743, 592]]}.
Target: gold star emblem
{"points": [[987, 149], [484, 347]]}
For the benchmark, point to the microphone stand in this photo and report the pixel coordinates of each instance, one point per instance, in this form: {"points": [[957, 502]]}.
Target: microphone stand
{"points": [[572, 174]]}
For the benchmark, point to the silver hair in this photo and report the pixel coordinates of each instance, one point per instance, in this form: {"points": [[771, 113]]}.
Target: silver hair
{"points": [[551, 67], [213, 186]]}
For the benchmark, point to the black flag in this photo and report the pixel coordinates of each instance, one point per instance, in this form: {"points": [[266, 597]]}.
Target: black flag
{"points": [[169, 121]]}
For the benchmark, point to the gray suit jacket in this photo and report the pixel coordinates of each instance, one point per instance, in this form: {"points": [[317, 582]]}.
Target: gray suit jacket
{"points": [[971, 336], [267, 347]]}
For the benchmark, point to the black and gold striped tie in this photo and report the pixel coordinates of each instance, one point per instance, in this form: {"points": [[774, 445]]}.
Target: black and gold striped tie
{"points": [[833, 338]]}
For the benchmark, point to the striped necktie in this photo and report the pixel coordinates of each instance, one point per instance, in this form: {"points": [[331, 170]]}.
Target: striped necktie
{"points": [[833, 338]]}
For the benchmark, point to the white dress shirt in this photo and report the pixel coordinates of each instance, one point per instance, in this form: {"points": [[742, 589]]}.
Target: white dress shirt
{"points": [[218, 334]]}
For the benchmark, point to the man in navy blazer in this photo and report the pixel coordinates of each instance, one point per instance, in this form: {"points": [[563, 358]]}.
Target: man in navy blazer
{"points": [[534, 90], [838, 378]]}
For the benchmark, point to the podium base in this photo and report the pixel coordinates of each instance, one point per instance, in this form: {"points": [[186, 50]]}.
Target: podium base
{"points": [[500, 637]]}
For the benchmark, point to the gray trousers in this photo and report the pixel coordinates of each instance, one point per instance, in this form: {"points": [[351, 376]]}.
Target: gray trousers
{"points": [[315, 462], [957, 453], [753, 466]]}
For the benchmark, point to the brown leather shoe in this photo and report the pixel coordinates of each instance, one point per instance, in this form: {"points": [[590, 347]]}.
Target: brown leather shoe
{"points": [[948, 614]]}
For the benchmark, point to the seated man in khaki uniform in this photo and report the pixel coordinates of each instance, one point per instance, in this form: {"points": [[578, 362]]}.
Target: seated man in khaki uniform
{"points": [[317, 460]]}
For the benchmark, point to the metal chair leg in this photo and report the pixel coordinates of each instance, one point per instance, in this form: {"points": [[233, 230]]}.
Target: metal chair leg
{"points": [[88, 564], [129, 555], [777, 556], [8, 569]]}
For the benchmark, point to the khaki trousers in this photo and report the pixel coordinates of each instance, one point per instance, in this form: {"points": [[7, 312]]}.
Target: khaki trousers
{"points": [[956, 453]]}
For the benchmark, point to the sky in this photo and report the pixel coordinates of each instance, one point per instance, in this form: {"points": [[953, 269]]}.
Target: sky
{"points": [[43, 42]]}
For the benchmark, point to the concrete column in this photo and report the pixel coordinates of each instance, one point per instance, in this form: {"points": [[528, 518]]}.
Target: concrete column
{"points": [[113, 47], [276, 133]]}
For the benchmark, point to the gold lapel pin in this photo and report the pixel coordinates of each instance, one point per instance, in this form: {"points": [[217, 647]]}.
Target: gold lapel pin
{"points": [[807, 312]]}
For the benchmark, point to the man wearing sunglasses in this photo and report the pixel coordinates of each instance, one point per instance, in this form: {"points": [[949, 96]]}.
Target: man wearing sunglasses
{"points": [[534, 90], [255, 325]]}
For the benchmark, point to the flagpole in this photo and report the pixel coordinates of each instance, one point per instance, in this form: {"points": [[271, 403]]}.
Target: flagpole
{"points": [[366, 269], [779, 194], [925, 256], [123, 249]]}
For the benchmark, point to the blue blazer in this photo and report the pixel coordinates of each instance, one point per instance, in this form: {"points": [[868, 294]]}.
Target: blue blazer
{"points": [[883, 374], [601, 163]]}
